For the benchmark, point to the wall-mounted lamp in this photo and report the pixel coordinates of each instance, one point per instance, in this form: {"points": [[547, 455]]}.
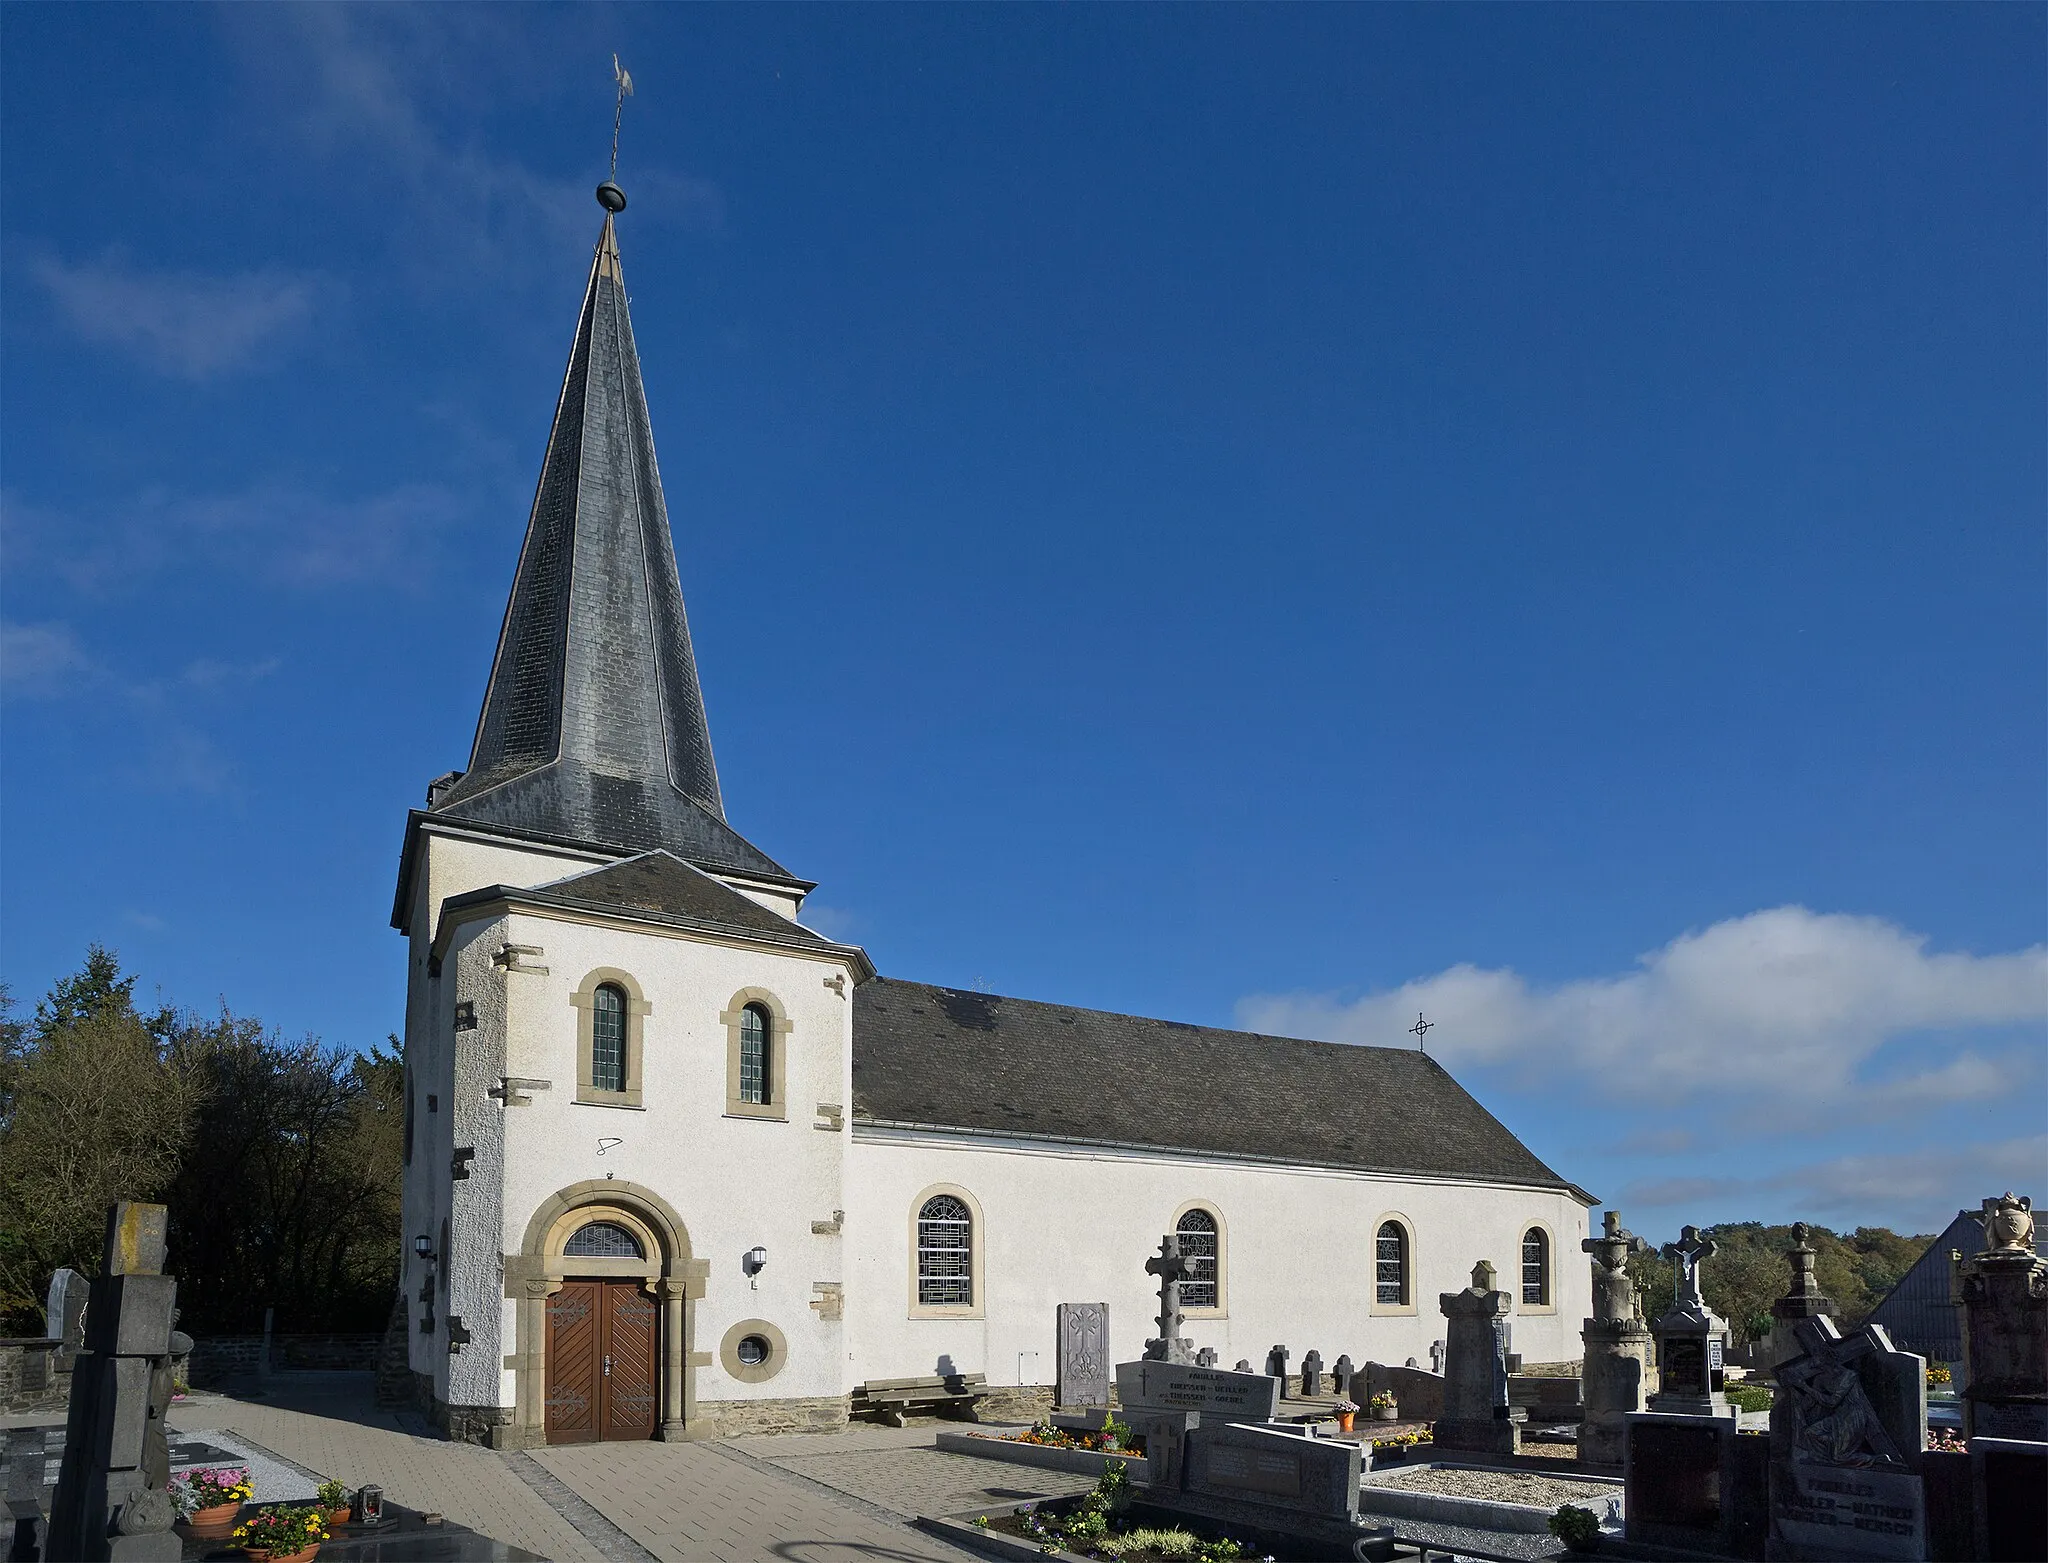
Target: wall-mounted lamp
{"points": [[423, 1245], [755, 1260]]}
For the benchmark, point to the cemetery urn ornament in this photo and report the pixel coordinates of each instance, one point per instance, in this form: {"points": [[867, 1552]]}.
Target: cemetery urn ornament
{"points": [[2009, 1223]]}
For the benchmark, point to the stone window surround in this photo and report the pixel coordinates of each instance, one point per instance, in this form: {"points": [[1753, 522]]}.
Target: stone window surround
{"points": [[1413, 1267], [670, 1271], [976, 1275], [1537, 1310], [1222, 1308], [584, 1000], [753, 1372], [776, 1108]]}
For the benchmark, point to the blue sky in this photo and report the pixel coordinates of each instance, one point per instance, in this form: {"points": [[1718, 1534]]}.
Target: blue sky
{"points": [[1278, 516]]}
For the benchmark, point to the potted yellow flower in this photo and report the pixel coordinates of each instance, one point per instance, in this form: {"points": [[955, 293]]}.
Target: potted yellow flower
{"points": [[333, 1500], [289, 1534]]}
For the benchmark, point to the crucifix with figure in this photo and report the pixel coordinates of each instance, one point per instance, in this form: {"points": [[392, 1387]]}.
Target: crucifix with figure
{"points": [[1172, 1268], [1691, 1248]]}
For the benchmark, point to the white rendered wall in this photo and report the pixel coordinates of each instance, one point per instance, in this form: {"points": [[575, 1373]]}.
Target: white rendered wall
{"points": [[1070, 1225], [737, 1183]]}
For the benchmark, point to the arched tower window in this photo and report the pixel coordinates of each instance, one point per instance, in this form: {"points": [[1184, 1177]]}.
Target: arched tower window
{"points": [[755, 1042], [945, 1253], [1198, 1246], [1390, 1265], [603, 1240], [608, 1037], [1536, 1267]]}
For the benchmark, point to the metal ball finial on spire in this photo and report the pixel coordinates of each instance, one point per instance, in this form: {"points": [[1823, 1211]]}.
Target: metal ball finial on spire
{"points": [[609, 195]]}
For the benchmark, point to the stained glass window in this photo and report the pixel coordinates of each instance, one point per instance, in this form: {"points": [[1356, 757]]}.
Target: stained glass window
{"points": [[753, 1054], [604, 1240], [1536, 1267], [945, 1253], [608, 1038], [1197, 1233], [1391, 1265]]}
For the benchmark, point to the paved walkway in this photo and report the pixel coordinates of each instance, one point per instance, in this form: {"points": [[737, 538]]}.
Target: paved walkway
{"points": [[803, 1498]]}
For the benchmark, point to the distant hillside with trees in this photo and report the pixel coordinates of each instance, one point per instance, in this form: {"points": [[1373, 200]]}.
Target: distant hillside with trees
{"points": [[279, 1160], [1750, 1272]]}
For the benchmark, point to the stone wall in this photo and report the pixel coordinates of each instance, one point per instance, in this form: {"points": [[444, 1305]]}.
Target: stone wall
{"points": [[29, 1380], [732, 1418], [219, 1358]]}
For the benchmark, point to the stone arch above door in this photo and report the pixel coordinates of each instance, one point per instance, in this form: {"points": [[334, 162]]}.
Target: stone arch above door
{"points": [[667, 1268]]}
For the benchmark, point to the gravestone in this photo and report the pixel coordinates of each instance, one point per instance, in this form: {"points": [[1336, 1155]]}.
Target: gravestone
{"points": [[1695, 1482], [1171, 1269], [1173, 1386], [1417, 1391], [1313, 1477], [1616, 1375], [112, 1499], [1276, 1365], [1206, 1357], [1804, 1301], [1692, 1339], [1848, 1425], [64, 1316], [1084, 1354], [1244, 1365], [1165, 1435], [1436, 1358], [2009, 1498], [1340, 1378], [2004, 1295], [1476, 1413], [1312, 1374]]}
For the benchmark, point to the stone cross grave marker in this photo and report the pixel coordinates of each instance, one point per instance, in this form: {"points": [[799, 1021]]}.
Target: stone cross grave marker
{"points": [[1340, 1378], [1172, 1269], [1206, 1357], [113, 1499], [1691, 1339], [1276, 1365], [1244, 1365], [1311, 1374], [1619, 1351], [1436, 1357], [1083, 1372]]}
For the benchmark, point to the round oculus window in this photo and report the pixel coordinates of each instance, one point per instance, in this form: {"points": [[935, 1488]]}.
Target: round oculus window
{"points": [[752, 1350]]}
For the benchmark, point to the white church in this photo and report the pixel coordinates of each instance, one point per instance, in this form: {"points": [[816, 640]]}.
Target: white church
{"points": [[678, 1166]]}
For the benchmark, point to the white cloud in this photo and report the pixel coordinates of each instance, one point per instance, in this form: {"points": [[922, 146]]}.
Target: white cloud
{"points": [[278, 533], [1907, 1190], [41, 660], [186, 324], [1748, 1004]]}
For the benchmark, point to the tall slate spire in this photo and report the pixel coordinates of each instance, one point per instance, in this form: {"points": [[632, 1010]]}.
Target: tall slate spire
{"points": [[593, 725]]}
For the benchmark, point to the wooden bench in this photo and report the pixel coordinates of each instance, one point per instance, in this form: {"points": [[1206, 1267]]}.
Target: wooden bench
{"points": [[949, 1394]]}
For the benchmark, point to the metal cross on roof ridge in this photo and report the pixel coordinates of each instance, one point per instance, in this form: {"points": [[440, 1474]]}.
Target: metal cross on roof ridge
{"points": [[1420, 1029]]}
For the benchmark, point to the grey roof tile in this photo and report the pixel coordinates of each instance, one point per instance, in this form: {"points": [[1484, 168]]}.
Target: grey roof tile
{"points": [[660, 882], [593, 724], [946, 1057]]}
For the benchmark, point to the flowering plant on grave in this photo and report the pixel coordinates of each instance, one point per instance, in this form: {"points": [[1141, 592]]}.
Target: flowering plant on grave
{"points": [[1942, 1440], [1343, 1407], [1383, 1401], [281, 1531], [1937, 1374], [210, 1488], [1573, 1525]]}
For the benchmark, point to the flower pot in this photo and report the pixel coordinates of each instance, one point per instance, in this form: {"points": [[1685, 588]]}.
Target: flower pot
{"points": [[1387, 1414], [339, 1516], [1344, 1420], [214, 1524], [266, 1555]]}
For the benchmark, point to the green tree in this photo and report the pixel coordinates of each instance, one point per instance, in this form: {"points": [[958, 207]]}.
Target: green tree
{"points": [[92, 1109]]}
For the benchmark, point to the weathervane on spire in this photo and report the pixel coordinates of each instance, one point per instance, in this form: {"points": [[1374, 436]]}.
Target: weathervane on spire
{"points": [[609, 195]]}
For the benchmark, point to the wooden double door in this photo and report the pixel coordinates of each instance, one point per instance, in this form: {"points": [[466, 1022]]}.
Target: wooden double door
{"points": [[603, 1362]]}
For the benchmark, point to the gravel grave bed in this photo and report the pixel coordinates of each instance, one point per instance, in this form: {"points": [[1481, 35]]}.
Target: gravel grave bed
{"points": [[1543, 1492]]}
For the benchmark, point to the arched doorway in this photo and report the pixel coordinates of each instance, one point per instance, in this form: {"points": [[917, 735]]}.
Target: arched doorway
{"points": [[604, 1285]]}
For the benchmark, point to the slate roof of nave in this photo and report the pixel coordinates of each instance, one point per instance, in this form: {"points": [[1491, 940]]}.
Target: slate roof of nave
{"points": [[943, 1057]]}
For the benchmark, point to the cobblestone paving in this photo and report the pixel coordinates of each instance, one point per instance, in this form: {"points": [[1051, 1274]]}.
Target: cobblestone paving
{"points": [[692, 1503], [912, 1481], [334, 1430]]}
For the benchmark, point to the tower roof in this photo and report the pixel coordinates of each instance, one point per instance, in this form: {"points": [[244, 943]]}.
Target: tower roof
{"points": [[593, 724]]}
